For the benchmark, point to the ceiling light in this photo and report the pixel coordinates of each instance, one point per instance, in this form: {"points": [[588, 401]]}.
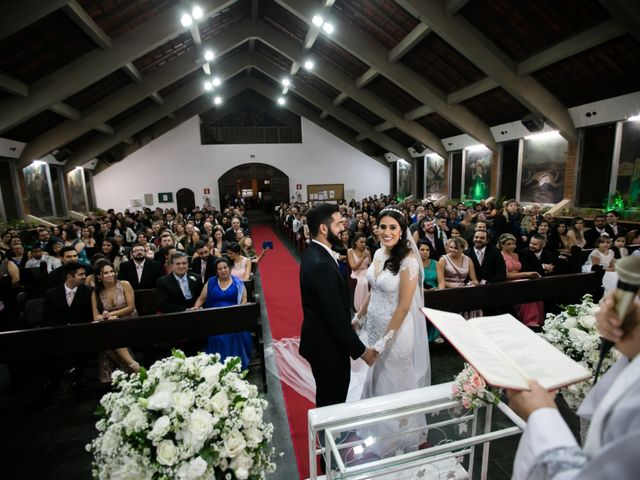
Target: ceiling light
{"points": [[286, 82], [216, 81], [285, 90], [207, 86], [217, 100], [38, 162], [476, 148], [634, 118], [208, 55], [317, 20], [328, 28], [543, 135], [186, 20], [308, 64], [196, 12], [281, 101]]}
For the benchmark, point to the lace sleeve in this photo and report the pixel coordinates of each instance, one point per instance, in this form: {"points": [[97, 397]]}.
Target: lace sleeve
{"points": [[411, 263], [558, 461]]}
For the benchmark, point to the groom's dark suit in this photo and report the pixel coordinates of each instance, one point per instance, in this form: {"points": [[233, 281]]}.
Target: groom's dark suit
{"points": [[327, 339]]}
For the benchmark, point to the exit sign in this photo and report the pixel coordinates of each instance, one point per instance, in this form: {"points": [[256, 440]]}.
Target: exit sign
{"points": [[298, 186]]}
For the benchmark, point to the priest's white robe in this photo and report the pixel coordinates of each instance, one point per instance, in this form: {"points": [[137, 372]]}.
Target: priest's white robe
{"points": [[548, 449]]}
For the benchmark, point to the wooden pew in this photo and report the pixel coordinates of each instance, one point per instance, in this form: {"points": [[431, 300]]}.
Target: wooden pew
{"points": [[69, 340], [558, 289]]}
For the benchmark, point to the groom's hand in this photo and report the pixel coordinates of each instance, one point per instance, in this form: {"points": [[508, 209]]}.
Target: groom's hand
{"points": [[369, 356]]}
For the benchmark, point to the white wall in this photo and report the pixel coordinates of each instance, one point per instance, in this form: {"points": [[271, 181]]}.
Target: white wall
{"points": [[176, 160]]}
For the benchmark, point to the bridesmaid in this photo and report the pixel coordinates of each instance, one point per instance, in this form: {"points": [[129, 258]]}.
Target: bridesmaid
{"points": [[359, 259]]}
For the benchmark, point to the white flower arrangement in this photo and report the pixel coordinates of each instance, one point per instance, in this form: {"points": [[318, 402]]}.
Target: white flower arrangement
{"points": [[185, 418], [574, 332], [472, 391]]}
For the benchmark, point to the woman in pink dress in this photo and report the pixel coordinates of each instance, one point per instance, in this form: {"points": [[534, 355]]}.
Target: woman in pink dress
{"points": [[531, 314], [359, 259]]}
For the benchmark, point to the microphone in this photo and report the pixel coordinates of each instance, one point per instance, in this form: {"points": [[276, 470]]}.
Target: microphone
{"points": [[628, 270]]}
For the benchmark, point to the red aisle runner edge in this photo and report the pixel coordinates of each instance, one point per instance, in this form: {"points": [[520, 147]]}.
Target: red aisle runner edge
{"points": [[279, 273]]}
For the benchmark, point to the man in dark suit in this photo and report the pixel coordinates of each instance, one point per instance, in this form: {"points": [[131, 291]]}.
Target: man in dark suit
{"points": [[230, 234], [140, 272], [327, 339], [58, 276], [599, 228], [67, 304], [487, 259], [179, 290], [203, 263], [436, 245], [536, 258], [613, 229]]}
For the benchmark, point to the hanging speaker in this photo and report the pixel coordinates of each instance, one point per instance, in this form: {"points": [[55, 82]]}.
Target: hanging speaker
{"points": [[533, 122]]}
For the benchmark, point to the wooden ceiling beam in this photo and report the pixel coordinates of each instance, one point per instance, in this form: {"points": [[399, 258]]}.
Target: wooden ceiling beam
{"points": [[66, 110], [81, 18], [25, 12], [172, 102], [98, 64], [402, 76], [627, 13], [464, 37], [13, 85]]}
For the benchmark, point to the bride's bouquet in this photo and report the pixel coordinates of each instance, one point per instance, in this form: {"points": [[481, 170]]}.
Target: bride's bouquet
{"points": [[470, 389], [185, 418]]}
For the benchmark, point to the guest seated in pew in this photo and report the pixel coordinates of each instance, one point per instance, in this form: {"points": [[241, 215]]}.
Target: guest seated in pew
{"points": [[140, 272], [619, 247], [112, 299], [165, 254], [219, 243], [248, 250], [7, 267], [602, 256], [225, 290], [203, 262], [67, 304], [455, 269], [537, 259], [58, 276], [240, 265], [487, 260], [179, 290], [531, 314]]}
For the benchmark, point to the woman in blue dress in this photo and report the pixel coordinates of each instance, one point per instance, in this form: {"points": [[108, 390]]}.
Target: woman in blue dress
{"points": [[225, 290]]}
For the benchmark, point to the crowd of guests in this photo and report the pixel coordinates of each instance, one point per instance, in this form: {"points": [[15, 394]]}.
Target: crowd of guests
{"points": [[91, 270], [472, 243]]}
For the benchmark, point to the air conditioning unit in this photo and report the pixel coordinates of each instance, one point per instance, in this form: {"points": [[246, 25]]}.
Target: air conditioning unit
{"points": [[533, 122]]}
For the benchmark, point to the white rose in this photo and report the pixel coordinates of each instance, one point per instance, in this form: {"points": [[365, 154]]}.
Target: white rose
{"points": [[241, 386], [195, 469], [241, 465], [110, 441], [211, 373], [182, 401], [220, 404], [130, 469], [135, 420], [250, 416], [577, 335], [588, 321], [570, 322], [234, 444], [166, 453], [160, 427], [200, 424], [253, 436], [162, 398]]}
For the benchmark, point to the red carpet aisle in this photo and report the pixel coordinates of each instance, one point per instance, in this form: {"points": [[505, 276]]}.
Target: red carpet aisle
{"points": [[279, 273]]}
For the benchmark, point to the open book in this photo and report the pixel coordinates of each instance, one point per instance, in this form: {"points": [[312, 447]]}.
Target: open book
{"points": [[506, 353]]}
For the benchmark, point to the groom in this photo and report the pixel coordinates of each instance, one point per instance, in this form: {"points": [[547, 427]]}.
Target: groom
{"points": [[327, 339]]}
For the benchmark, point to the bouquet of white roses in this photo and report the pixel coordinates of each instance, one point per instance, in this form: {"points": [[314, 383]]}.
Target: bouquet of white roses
{"points": [[471, 389], [185, 418], [574, 332]]}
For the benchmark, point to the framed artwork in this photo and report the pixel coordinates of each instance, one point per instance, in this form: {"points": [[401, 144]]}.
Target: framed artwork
{"points": [[166, 197], [36, 178], [477, 173], [77, 190], [435, 174], [628, 183], [543, 169], [405, 177]]}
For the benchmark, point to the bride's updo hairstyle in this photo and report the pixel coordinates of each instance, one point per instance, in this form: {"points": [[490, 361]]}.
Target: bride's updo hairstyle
{"points": [[402, 248]]}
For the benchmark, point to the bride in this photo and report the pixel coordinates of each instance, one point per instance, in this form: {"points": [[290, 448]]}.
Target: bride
{"points": [[393, 325]]}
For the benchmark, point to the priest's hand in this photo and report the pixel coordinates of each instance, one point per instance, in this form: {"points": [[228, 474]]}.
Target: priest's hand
{"points": [[524, 402]]}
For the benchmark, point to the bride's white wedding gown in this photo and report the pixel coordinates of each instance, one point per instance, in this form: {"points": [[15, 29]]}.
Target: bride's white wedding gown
{"points": [[404, 364]]}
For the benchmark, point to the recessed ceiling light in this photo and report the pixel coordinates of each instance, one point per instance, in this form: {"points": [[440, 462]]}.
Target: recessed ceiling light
{"points": [[217, 100], [308, 64], [196, 12], [186, 20], [216, 81], [634, 118], [281, 101], [208, 55], [207, 86], [543, 135], [328, 28], [317, 20], [286, 82]]}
